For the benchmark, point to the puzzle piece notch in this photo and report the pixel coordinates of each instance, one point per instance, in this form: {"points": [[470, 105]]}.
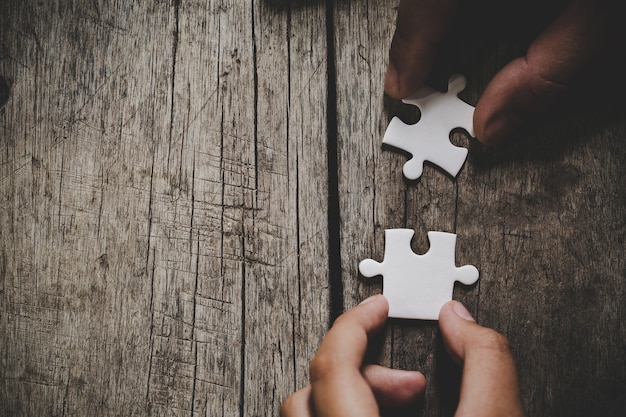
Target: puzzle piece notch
{"points": [[417, 286], [429, 138]]}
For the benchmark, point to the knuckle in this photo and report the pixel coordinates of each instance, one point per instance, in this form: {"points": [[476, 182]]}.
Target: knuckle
{"points": [[546, 87], [321, 366], [491, 340]]}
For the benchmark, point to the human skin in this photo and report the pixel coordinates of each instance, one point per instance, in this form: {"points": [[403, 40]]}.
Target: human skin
{"points": [[524, 90], [340, 384]]}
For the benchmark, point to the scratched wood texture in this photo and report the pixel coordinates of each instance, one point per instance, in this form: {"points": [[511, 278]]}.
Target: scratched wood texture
{"points": [[187, 188], [164, 208]]}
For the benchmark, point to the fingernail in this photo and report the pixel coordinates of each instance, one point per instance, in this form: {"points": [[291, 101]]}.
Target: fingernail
{"points": [[368, 300], [462, 312]]}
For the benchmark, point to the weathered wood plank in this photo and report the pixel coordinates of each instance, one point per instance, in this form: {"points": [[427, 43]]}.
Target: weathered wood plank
{"points": [[371, 194], [202, 193], [164, 186], [286, 309], [76, 197]]}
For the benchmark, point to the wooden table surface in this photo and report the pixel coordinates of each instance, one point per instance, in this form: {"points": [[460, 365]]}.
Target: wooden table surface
{"points": [[187, 188]]}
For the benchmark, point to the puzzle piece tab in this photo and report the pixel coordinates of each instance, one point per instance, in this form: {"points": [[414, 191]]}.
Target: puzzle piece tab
{"points": [[429, 138], [417, 286]]}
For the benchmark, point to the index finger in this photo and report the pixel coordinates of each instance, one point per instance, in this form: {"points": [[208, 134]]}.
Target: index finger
{"points": [[420, 27], [346, 342], [338, 387]]}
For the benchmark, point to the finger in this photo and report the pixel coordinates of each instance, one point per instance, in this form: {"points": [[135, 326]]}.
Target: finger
{"points": [[338, 388], [420, 26], [298, 404], [394, 387], [345, 344], [489, 385], [524, 90], [391, 387]]}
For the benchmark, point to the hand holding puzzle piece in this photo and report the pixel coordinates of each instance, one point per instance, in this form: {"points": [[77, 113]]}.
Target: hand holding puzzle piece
{"points": [[429, 138], [417, 286]]}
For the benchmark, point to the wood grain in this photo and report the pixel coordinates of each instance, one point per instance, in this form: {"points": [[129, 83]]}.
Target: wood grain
{"points": [[164, 207], [187, 187]]}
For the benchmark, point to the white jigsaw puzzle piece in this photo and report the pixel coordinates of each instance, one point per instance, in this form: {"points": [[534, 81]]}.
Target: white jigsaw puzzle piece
{"points": [[417, 286], [429, 138]]}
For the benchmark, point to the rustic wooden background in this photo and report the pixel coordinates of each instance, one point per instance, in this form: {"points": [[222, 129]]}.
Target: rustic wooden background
{"points": [[187, 187]]}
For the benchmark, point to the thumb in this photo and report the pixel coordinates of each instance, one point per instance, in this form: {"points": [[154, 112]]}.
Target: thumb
{"points": [[531, 88], [489, 384]]}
